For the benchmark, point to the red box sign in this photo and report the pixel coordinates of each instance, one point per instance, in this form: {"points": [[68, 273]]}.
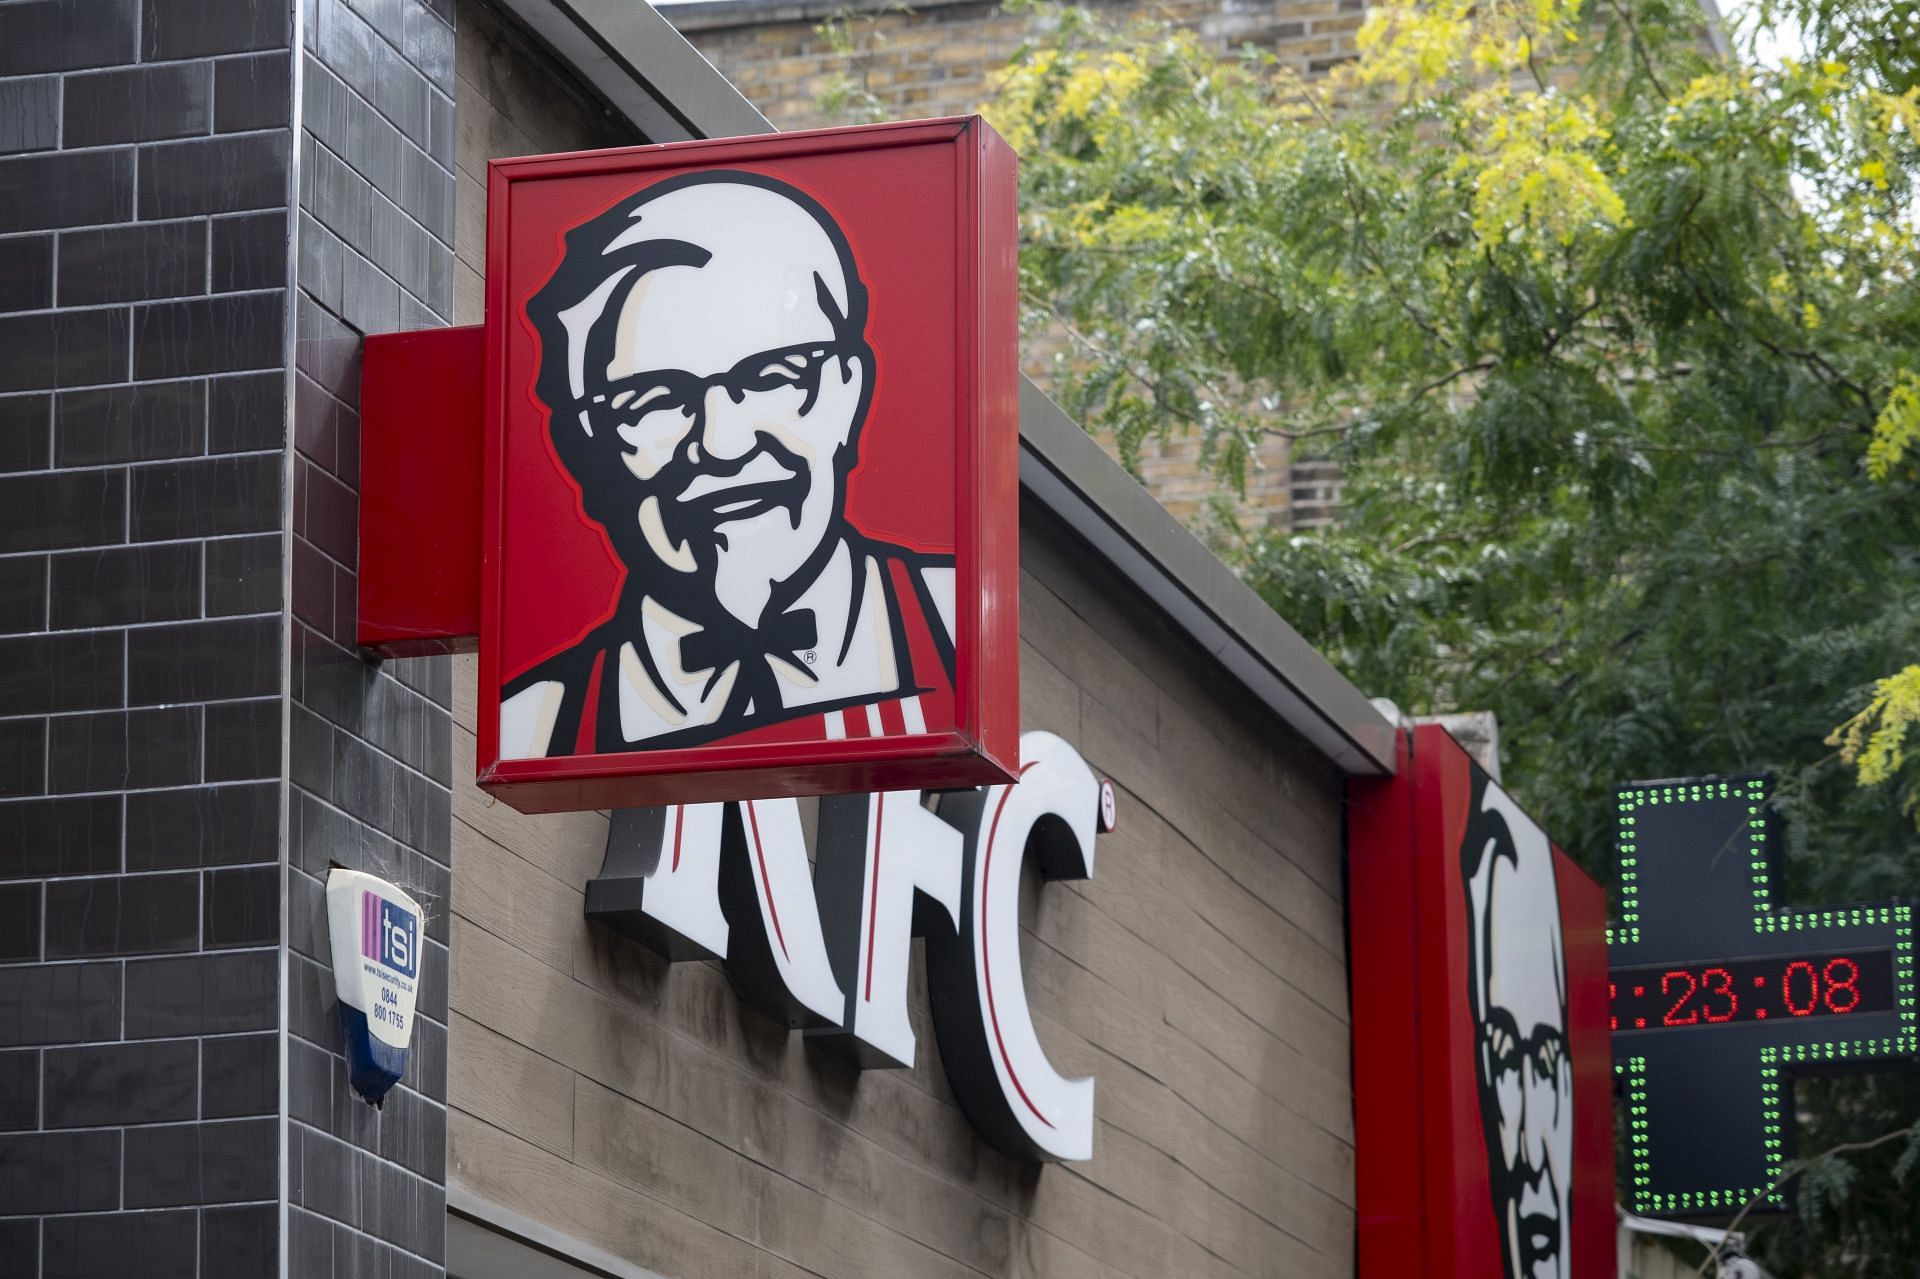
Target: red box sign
{"points": [[750, 473], [1483, 1086]]}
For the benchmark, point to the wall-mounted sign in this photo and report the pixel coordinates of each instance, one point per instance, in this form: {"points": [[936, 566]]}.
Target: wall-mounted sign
{"points": [[750, 468], [1720, 993], [375, 931], [1482, 1098], [744, 521], [828, 949]]}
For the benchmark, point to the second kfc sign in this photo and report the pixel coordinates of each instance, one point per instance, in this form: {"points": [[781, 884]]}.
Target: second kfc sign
{"points": [[750, 476], [1483, 1089]]}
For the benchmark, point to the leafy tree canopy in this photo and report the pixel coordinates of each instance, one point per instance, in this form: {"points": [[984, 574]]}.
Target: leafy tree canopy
{"points": [[1617, 339]]}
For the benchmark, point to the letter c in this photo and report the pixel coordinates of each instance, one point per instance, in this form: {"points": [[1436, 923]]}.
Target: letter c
{"points": [[998, 1070]]}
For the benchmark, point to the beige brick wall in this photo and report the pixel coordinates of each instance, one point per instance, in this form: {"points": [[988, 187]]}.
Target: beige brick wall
{"points": [[935, 60]]}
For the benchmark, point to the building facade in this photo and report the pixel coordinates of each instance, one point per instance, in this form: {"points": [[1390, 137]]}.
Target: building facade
{"points": [[204, 207]]}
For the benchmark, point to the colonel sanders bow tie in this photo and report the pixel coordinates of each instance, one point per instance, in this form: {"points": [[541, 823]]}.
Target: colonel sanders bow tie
{"points": [[717, 646]]}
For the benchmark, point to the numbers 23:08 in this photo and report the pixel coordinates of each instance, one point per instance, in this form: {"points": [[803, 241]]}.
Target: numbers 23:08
{"points": [[1711, 996]]}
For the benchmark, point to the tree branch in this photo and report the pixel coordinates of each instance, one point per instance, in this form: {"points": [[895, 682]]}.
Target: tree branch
{"points": [[1429, 539], [1706, 450], [1640, 49], [1278, 433], [1812, 359], [1479, 366]]}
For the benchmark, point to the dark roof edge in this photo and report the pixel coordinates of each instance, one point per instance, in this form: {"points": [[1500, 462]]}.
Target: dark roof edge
{"points": [[648, 71], [645, 69]]}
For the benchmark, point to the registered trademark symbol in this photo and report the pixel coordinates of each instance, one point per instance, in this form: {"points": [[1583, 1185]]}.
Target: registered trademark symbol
{"points": [[808, 656]]}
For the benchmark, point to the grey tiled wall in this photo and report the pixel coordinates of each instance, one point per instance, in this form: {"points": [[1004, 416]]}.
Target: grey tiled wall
{"points": [[147, 154], [371, 745], [144, 179]]}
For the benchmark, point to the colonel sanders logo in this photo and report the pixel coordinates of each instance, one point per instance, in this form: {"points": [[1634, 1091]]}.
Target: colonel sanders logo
{"points": [[1518, 986], [705, 364]]}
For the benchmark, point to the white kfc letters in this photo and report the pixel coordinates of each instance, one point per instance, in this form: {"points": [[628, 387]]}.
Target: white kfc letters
{"points": [[830, 951]]}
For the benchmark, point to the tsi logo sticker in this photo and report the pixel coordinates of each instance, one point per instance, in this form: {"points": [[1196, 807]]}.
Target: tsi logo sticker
{"points": [[375, 930], [389, 933]]}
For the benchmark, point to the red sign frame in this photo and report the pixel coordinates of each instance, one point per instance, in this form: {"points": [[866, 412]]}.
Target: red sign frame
{"points": [[981, 745], [1422, 1168]]}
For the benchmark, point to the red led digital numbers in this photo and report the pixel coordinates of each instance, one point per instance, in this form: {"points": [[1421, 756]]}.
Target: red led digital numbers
{"points": [[1717, 1002], [1813, 988], [1667, 984], [1749, 990], [1847, 984], [1719, 981]]}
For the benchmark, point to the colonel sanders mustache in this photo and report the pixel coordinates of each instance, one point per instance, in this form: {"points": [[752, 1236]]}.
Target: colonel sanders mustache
{"points": [[691, 500]]}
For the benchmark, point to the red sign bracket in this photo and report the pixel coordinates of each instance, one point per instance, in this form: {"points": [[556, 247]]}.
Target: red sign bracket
{"points": [[422, 432]]}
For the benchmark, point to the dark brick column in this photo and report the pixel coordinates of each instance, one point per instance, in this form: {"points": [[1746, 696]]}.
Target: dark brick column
{"points": [[185, 745], [371, 744], [145, 156]]}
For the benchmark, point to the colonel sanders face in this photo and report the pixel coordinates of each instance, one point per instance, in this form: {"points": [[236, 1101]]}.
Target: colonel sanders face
{"points": [[704, 358], [1519, 991]]}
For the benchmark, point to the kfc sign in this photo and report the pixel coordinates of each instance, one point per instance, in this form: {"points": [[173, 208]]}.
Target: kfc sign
{"points": [[748, 491], [751, 468], [1482, 1081], [827, 949]]}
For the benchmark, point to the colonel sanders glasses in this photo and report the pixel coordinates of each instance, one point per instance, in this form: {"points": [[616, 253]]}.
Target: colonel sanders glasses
{"points": [[626, 400]]}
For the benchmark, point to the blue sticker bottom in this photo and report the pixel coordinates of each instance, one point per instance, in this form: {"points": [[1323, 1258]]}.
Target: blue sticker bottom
{"points": [[373, 1067]]}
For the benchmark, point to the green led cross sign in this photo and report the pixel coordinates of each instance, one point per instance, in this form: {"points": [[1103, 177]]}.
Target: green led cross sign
{"points": [[1720, 993]]}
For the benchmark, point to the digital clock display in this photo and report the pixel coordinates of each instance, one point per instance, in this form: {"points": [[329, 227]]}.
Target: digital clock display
{"points": [[1789, 988]]}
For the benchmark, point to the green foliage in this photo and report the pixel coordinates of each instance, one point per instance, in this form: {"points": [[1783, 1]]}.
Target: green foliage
{"points": [[1604, 471], [1844, 1200], [1875, 740], [1601, 326], [1897, 431]]}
